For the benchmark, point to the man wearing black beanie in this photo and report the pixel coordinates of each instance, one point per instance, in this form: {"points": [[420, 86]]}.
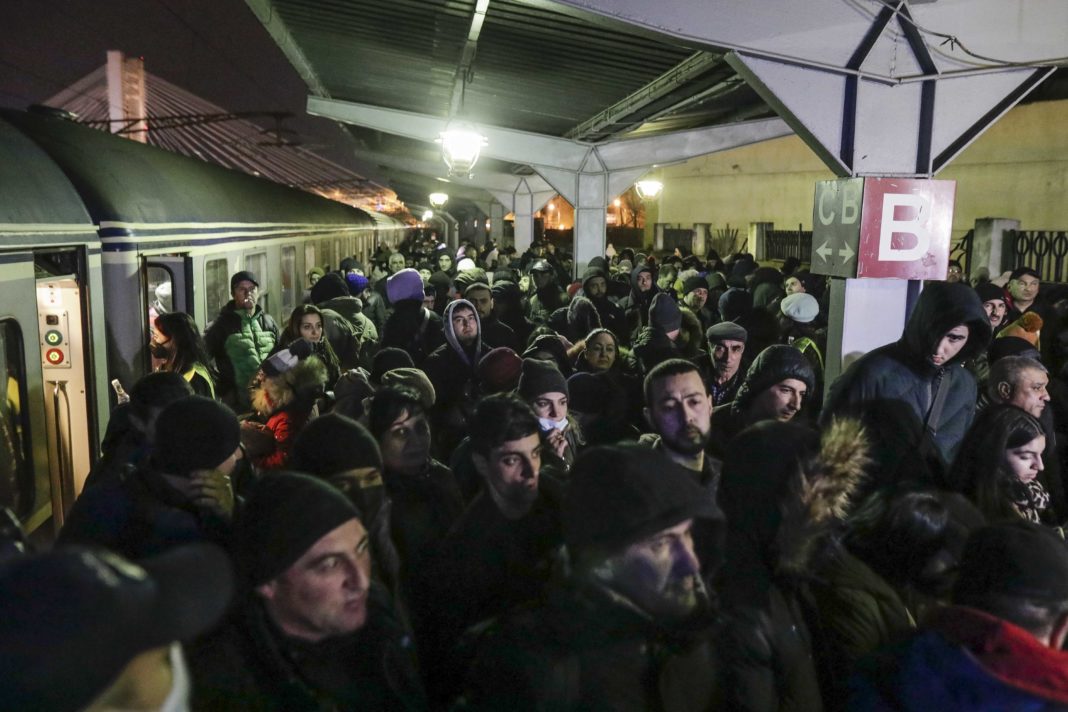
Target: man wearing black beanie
{"points": [[314, 632]]}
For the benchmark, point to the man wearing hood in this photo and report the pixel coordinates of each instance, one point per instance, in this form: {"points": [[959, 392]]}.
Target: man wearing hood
{"points": [[925, 369], [595, 288], [636, 305], [451, 370], [655, 343], [411, 327]]}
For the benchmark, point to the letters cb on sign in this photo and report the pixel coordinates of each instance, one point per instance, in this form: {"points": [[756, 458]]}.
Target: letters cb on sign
{"points": [[906, 224]]}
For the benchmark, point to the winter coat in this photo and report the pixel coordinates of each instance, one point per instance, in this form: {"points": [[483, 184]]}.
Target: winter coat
{"points": [[239, 343], [544, 302], [576, 320], [964, 661], [635, 305], [413, 328], [496, 333], [352, 309], [374, 308], [651, 347], [250, 666], [721, 393], [451, 370], [852, 613], [589, 649], [902, 371]]}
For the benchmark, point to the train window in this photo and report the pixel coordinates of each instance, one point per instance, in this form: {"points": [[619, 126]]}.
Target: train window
{"points": [[257, 264], [217, 281], [159, 292], [310, 259], [289, 270], [18, 489], [338, 254]]}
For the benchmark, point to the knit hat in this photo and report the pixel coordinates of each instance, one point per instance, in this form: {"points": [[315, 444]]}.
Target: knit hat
{"points": [[591, 273], [726, 331], [800, 307], [416, 380], [550, 344], [541, 266], [388, 359], [621, 494], [333, 443], [506, 290], [329, 286], [774, 364], [78, 616], [716, 281], [194, 433], [357, 283], [405, 284], [734, 303], [465, 264], [540, 377], [1015, 559], [469, 278], [1027, 327], [1024, 271], [589, 393], [279, 363], [1011, 346], [664, 312], [988, 292], [498, 371], [243, 276], [285, 513], [695, 282]]}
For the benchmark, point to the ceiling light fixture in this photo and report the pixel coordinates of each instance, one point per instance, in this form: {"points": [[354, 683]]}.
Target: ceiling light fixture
{"points": [[461, 144], [438, 200], [648, 189]]}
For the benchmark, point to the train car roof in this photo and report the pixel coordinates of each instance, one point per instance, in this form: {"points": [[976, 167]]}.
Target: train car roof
{"points": [[38, 203], [126, 182]]}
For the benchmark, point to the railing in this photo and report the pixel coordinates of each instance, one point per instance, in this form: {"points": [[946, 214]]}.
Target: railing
{"points": [[780, 244], [961, 251], [677, 237], [1042, 250], [726, 241]]}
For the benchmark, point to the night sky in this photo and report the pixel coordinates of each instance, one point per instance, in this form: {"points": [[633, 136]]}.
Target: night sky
{"points": [[214, 48]]}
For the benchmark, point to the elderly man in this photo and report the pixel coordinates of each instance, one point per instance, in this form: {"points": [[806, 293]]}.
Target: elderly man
{"points": [[239, 340], [998, 647], [629, 628], [721, 365], [314, 632], [1024, 286]]}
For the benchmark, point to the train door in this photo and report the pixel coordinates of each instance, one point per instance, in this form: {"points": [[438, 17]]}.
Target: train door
{"points": [[61, 320], [166, 280]]}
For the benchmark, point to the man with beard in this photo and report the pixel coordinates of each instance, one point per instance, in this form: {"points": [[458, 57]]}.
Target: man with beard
{"points": [[499, 554], [495, 333], [629, 626], [695, 296], [721, 365], [595, 288], [547, 297], [635, 305], [993, 299]]}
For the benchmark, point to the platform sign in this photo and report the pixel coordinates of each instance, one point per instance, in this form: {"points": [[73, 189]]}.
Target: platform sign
{"points": [[836, 221], [906, 224], [882, 227]]}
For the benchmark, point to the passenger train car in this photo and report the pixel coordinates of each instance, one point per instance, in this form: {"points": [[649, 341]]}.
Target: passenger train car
{"points": [[97, 233]]}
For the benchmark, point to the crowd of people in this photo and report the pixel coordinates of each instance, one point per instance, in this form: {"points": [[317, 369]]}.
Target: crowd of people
{"points": [[467, 480]]}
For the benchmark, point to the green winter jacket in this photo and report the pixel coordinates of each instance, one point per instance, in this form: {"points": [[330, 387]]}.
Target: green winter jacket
{"points": [[239, 343]]}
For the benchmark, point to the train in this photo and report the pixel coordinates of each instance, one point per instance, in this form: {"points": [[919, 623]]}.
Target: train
{"points": [[98, 232]]}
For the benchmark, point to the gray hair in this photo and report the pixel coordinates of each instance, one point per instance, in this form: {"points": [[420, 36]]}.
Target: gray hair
{"points": [[1008, 370]]}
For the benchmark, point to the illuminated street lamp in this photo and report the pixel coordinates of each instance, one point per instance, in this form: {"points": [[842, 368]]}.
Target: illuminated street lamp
{"points": [[648, 189], [461, 144], [438, 200], [427, 215]]}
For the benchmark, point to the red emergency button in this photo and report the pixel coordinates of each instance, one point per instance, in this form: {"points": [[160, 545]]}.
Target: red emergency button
{"points": [[55, 356]]}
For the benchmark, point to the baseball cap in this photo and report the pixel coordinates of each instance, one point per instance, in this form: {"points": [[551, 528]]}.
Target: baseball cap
{"points": [[243, 276]]}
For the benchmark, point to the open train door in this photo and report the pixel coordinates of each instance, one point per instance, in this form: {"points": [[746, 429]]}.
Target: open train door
{"points": [[65, 358], [168, 282]]}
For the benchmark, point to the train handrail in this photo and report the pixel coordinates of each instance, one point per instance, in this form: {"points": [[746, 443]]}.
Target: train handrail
{"points": [[63, 456]]}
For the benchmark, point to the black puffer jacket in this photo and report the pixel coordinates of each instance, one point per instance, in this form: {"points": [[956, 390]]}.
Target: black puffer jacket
{"points": [[902, 371]]}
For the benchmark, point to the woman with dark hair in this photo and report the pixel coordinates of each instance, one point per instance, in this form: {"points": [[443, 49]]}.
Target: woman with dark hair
{"points": [[601, 354], [999, 465], [872, 585], [177, 346], [307, 323]]}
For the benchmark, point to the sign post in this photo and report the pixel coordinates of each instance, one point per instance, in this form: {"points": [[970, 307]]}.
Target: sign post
{"points": [[876, 238]]}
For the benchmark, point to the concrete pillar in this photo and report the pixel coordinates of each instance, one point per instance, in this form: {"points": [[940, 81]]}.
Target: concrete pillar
{"points": [[524, 221], [756, 245], [590, 217], [658, 236], [702, 234], [991, 247], [496, 218]]}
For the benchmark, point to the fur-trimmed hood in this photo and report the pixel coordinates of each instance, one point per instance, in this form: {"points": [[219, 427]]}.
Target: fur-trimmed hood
{"points": [[785, 487], [298, 386]]}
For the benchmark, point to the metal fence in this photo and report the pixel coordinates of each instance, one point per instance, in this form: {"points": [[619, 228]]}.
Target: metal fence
{"points": [[1042, 250], [780, 244], [726, 241], [961, 251]]}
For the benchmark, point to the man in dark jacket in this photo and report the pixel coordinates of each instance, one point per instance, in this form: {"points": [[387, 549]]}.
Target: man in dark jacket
{"points": [[451, 370], [774, 388], [315, 633], [629, 628], [411, 327], [547, 297], [721, 365], [239, 339], [494, 332], [635, 306], [595, 288], [999, 647], [499, 553], [656, 342], [924, 369]]}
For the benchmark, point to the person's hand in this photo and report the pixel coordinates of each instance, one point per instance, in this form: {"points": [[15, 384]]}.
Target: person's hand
{"points": [[557, 442], [211, 490]]}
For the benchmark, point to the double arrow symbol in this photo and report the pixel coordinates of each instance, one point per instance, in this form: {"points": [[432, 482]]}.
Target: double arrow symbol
{"points": [[846, 252]]}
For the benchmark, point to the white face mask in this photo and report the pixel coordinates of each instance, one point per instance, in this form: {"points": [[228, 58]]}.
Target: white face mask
{"points": [[548, 424], [178, 699]]}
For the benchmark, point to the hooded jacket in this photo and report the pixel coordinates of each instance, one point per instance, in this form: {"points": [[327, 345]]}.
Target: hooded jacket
{"points": [[635, 306], [612, 316], [902, 371], [413, 328], [451, 370]]}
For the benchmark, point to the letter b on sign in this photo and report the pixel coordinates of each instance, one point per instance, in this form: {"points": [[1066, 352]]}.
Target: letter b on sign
{"points": [[916, 208]]}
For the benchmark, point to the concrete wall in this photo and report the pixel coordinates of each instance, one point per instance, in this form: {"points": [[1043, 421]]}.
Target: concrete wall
{"points": [[1017, 169]]}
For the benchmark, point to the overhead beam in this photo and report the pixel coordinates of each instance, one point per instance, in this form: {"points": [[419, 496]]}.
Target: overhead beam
{"points": [[467, 59]]}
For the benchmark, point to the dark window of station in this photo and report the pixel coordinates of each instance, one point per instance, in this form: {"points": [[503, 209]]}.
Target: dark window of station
{"points": [[289, 279], [18, 488], [217, 281]]}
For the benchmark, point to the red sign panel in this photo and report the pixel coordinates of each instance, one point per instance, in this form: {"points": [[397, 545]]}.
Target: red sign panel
{"points": [[906, 225]]}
